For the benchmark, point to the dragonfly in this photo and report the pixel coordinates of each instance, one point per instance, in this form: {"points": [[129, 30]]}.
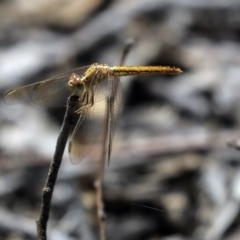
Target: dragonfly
{"points": [[92, 84]]}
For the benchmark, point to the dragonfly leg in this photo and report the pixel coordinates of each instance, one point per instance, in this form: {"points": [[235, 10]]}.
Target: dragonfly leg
{"points": [[87, 100], [83, 98], [91, 97], [83, 102]]}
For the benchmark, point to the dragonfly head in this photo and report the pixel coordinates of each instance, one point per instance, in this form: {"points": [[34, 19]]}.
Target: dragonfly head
{"points": [[75, 81]]}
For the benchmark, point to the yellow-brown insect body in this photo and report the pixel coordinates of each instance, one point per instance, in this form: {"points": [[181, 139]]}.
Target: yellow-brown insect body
{"points": [[100, 72], [90, 84], [95, 74], [144, 70]]}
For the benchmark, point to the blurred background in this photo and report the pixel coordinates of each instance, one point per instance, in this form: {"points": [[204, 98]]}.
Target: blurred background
{"points": [[170, 150]]}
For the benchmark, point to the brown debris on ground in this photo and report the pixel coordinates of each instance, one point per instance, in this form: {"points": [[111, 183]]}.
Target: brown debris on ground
{"points": [[172, 175]]}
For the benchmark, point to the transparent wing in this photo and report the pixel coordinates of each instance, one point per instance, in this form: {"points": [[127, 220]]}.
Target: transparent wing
{"points": [[51, 92], [88, 134], [103, 87], [114, 108]]}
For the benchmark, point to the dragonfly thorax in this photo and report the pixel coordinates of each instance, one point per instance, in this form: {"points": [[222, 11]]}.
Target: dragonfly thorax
{"points": [[96, 73]]}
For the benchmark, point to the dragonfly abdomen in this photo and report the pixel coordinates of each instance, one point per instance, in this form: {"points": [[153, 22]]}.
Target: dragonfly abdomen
{"points": [[144, 70]]}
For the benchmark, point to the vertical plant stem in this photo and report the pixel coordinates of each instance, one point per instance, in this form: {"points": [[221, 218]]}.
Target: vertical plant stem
{"points": [[99, 182], [106, 152]]}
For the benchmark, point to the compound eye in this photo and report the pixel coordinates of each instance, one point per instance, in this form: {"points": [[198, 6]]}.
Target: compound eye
{"points": [[74, 80], [76, 77]]}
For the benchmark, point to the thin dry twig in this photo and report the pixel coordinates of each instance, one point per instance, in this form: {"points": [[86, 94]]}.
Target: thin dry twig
{"points": [[54, 167], [99, 182], [106, 151], [128, 45]]}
